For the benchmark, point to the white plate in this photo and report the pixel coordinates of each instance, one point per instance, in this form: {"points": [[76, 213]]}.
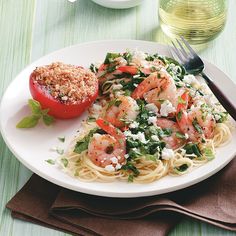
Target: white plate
{"points": [[32, 146]]}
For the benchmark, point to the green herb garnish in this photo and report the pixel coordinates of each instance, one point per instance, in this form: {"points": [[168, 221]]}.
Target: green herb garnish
{"points": [[181, 168], [50, 161], [179, 115], [62, 139], [60, 151], [110, 57], [208, 152], [82, 144], [64, 162], [180, 135], [36, 114], [192, 148], [197, 126], [129, 166]]}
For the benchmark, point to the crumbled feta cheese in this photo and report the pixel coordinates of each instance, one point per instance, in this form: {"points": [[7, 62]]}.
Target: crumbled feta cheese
{"points": [[126, 156], [166, 108], [110, 168], [135, 85], [167, 154], [152, 120], [96, 107], [217, 117], [95, 110], [190, 79], [155, 138], [127, 133], [134, 125], [118, 166], [151, 107], [114, 160], [139, 55], [117, 86], [96, 136], [139, 136], [121, 61], [186, 135], [210, 99]]}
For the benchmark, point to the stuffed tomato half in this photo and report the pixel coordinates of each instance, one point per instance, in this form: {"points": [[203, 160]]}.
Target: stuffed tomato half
{"points": [[66, 90]]}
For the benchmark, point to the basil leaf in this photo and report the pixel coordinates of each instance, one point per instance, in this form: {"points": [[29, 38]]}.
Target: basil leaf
{"points": [[48, 120], [28, 122], [37, 112], [35, 106]]}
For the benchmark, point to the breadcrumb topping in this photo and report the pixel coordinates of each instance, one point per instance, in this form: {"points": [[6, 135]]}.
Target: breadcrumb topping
{"points": [[69, 84]]}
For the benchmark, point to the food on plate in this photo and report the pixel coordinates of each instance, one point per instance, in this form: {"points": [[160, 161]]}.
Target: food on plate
{"points": [[66, 90], [150, 119]]}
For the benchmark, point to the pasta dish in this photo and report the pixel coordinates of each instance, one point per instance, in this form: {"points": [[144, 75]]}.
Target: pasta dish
{"points": [[151, 119]]}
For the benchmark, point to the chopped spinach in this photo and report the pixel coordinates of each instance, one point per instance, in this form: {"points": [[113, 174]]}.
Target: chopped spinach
{"points": [[197, 127], [182, 168], [180, 135], [128, 57], [93, 68], [192, 148], [130, 167], [110, 57]]}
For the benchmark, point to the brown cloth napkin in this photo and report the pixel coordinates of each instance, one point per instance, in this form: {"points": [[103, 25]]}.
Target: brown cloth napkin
{"points": [[212, 201]]}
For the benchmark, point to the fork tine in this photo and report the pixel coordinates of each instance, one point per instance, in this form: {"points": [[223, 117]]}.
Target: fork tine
{"points": [[176, 51], [185, 54], [188, 46], [172, 52]]}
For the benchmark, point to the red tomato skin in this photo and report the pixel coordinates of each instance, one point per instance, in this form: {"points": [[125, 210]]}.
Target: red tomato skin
{"points": [[56, 108]]}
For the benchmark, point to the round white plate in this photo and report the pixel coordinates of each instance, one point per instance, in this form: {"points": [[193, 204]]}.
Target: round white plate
{"points": [[32, 146]]}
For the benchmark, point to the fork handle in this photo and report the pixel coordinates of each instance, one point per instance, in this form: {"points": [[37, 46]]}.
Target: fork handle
{"points": [[221, 96]]}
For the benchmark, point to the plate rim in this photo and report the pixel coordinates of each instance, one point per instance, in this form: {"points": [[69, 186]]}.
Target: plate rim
{"points": [[88, 190]]}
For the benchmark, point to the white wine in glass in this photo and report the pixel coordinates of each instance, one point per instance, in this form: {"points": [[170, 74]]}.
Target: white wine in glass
{"points": [[198, 21]]}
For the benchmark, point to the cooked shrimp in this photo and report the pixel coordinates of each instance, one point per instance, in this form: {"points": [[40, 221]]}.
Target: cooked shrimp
{"points": [[173, 141], [107, 149], [124, 109], [196, 122], [156, 87]]}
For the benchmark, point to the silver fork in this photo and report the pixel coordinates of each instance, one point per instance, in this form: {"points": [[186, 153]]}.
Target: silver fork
{"points": [[194, 65]]}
